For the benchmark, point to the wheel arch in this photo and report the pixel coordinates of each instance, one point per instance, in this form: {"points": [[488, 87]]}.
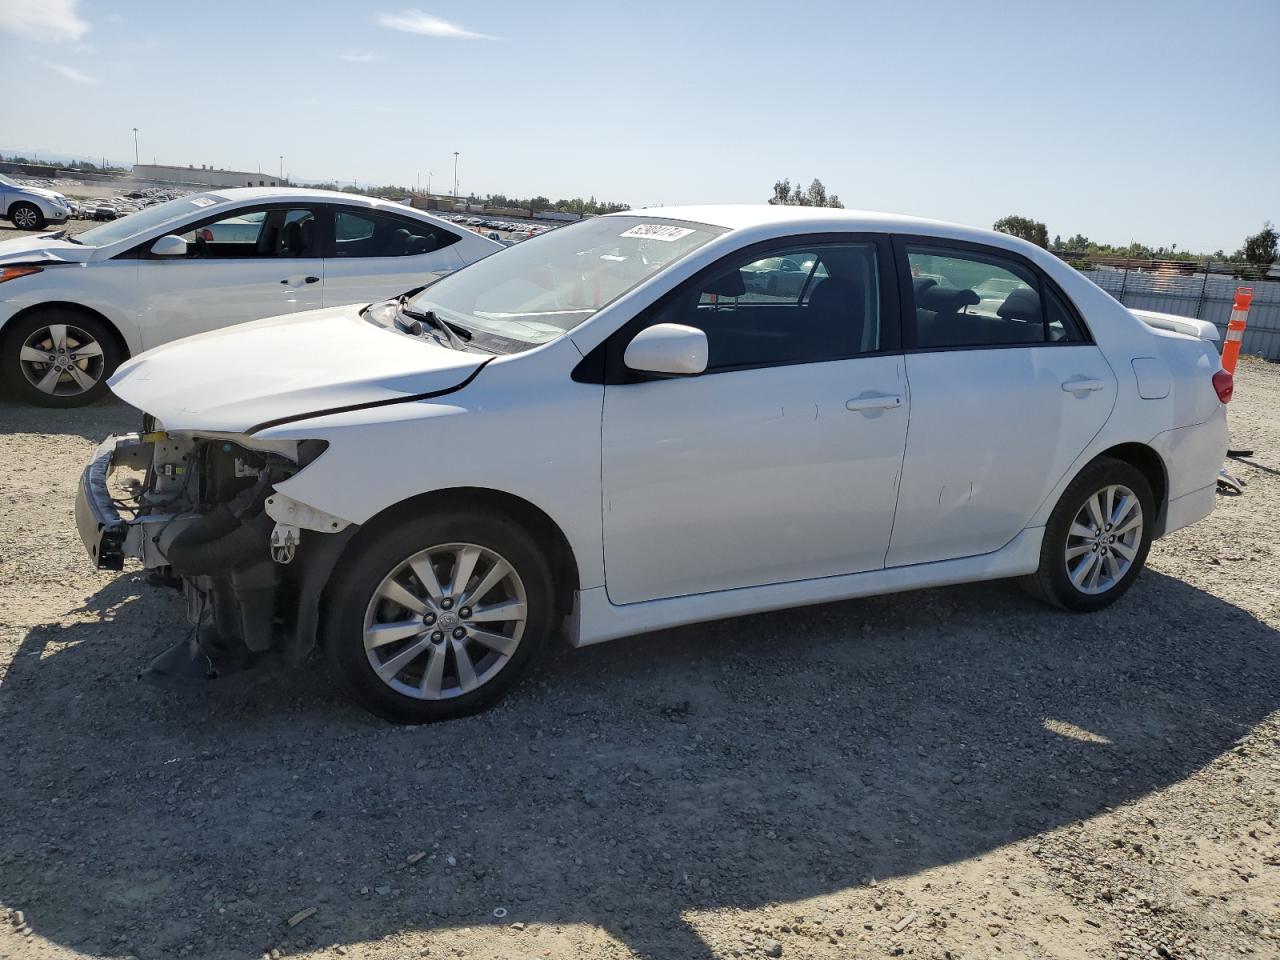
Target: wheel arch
{"points": [[1152, 466], [539, 524], [98, 315]]}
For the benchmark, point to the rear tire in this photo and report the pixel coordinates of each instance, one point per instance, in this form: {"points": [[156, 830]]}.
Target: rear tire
{"points": [[1097, 538], [26, 216], [56, 357], [412, 651]]}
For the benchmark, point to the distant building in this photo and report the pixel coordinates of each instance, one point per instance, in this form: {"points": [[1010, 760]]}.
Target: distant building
{"points": [[204, 175]]}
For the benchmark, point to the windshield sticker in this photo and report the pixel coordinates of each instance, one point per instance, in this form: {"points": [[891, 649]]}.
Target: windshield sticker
{"points": [[657, 231], [203, 201]]}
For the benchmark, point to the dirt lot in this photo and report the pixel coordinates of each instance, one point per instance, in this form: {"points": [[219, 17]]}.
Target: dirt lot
{"points": [[954, 773]]}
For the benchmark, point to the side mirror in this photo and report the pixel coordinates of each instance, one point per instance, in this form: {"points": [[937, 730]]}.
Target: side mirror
{"points": [[670, 348], [169, 246]]}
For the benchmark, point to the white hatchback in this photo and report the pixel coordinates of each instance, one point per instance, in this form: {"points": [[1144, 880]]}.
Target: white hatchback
{"points": [[610, 428], [73, 308]]}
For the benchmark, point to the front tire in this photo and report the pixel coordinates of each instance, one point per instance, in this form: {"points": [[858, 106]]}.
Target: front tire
{"points": [[1097, 538], [26, 216], [439, 616], [57, 357]]}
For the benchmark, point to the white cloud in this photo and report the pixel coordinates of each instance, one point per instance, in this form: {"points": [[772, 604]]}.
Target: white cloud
{"points": [[359, 57], [52, 21], [415, 21], [71, 73]]}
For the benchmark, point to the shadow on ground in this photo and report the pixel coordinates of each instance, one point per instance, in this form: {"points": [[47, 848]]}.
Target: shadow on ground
{"points": [[765, 759], [92, 422]]}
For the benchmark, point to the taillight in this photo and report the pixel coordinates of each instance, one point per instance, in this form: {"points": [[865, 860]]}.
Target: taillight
{"points": [[1224, 385], [12, 273]]}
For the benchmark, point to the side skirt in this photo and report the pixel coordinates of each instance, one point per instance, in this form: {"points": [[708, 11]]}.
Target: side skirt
{"points": [[594, 619]]}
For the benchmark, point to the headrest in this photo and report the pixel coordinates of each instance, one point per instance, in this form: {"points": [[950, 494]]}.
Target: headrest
{"points": [[1022, 304], [946, 299], [293, 237], [834, 292], [728, 284], [921, 284]]}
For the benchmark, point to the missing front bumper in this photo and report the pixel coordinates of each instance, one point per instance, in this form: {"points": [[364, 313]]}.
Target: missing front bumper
{"points": [[102, 528]]}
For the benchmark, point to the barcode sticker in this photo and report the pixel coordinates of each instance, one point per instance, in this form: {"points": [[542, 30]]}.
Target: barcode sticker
{"points": [[657, 231], [203, 201]]}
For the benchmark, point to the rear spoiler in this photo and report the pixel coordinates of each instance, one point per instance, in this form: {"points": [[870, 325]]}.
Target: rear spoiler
{"points": [[1201, 329]]}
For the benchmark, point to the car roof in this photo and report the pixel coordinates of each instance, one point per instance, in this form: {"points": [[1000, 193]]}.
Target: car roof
{"points": [[748, 216], [242, 194]]}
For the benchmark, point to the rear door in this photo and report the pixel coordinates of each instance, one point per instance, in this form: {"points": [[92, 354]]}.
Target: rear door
{"points": [[1006, 391], [257, 262], [376, 254]]}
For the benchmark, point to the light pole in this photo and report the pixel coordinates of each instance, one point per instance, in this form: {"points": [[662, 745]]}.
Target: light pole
{"points": [[428, 183], [455, 175], [281, 170], [135, 146]]}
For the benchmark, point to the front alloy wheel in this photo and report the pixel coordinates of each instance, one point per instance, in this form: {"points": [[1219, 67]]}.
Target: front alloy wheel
{"points": [[26, 216], [445, 621], [61, 360], [436, 615], [58, 357]]}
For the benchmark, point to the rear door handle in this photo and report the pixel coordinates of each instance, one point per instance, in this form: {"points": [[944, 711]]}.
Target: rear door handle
{"points": [[299, 281], [1082, 385], [875, 401]]}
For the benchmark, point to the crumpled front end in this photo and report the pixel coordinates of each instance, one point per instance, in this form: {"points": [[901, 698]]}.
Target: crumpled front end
{"points": [[202, 513]]}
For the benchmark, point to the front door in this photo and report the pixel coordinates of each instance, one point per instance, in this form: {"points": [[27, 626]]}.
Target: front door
{"points": [[377, 255], [1006, 392], [255, 263], [781, 461]]}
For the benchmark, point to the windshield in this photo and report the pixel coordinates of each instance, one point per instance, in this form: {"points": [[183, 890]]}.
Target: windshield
{"points": [[540, 288], [144, 220]]}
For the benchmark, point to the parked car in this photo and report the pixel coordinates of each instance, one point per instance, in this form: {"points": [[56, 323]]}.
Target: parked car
{"points": [[32, 208], [598, 432], [73, 308]]}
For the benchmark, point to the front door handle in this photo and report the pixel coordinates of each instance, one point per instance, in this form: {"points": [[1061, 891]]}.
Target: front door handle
{"points": [[875, 401], [1082, 385]]}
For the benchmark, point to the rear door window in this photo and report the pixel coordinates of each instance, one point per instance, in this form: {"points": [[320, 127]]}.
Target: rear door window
{"points": [[364, 233], [965, 298]]}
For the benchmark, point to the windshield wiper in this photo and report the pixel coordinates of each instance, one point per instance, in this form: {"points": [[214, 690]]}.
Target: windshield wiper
{"points": [[453, 332]]}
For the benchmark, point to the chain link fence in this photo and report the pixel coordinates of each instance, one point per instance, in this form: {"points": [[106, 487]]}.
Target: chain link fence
{"points": [[1204, 290]]}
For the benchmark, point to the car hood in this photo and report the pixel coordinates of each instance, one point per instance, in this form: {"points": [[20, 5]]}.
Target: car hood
{"points": [[43, 248], [287, 368], [41, 192]]}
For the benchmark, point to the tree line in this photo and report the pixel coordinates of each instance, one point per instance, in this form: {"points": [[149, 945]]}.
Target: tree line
{"points": [[1259, 250]]}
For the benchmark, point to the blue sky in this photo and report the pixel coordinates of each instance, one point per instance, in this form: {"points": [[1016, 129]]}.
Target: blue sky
{"points": [[1122, 120]]}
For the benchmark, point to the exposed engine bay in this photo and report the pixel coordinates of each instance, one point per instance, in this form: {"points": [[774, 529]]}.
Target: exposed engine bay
{"points": [[202, 514]]}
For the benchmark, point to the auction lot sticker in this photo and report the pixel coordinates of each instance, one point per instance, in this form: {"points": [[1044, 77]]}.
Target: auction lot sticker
{"points": [[657, 231], [203, 201]]}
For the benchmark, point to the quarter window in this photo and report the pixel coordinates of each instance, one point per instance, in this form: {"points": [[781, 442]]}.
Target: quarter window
{"points": [[357, 233], [798, 305]]}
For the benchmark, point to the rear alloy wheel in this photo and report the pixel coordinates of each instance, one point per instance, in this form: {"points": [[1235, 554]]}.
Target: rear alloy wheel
{"points": [[26, 216], [59, 358], [440, 616], [1097, 538]]}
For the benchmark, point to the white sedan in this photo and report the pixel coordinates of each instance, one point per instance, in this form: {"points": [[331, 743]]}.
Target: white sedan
{"points": [[73, 308], [606, 430]]}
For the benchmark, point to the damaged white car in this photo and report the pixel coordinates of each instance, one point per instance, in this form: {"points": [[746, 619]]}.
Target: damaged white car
{"points": [[623, 425]]}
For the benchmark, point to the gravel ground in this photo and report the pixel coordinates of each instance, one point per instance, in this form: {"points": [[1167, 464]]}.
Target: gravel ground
{"points": [[952, 773]]}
